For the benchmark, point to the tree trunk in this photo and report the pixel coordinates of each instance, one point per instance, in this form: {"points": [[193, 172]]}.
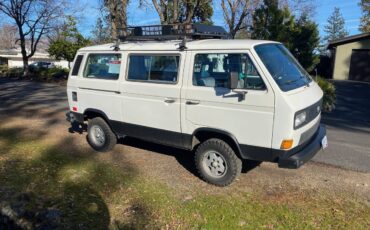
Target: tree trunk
{"points": [[25, 67], [112, 7], [24, 55], [161, 12], [123, 17], [232, 33], [175, 12]]}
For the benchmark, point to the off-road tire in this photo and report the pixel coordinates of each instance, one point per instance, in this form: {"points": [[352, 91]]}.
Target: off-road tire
{"points": [[110, 137], [232, 161]]}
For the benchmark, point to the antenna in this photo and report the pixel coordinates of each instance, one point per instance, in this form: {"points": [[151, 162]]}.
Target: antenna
{"points": [[182, 45], [116, 45]]}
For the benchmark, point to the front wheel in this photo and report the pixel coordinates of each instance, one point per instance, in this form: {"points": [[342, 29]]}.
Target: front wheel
{"points": [[100, 136], [217, 162]]}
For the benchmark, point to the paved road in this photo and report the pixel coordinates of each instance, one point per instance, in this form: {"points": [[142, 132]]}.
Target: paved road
{"points": [[348, 126], [27, 95]]}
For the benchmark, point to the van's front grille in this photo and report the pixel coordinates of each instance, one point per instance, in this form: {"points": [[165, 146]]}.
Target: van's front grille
{"points": [[314, 110], [309, 133], [311, 113]]}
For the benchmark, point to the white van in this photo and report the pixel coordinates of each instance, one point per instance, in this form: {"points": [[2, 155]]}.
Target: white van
{"points": [[226, 100]]}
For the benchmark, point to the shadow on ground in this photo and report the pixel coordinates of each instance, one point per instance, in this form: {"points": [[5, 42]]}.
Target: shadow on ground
{"points": [[352, 112], [60, 186], [28, 99], [184, 158]]}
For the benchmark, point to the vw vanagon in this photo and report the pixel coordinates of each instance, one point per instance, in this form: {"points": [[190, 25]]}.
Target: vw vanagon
{"points": [[225, 100]]}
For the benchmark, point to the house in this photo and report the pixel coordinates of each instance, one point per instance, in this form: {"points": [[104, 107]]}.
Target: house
{"points": [[13, 58], [351, 57]]}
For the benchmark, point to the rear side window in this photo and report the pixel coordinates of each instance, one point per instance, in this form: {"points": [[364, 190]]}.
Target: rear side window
{"points": [[213, 70], [76, 66], [153, 68], [103, 66]]}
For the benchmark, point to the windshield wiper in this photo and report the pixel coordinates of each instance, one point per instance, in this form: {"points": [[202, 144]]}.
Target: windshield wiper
{"points": [[292, 81], [307, 80]]}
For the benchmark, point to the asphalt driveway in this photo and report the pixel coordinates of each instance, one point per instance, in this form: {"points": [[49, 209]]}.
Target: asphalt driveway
{"points": [[348, 126]]}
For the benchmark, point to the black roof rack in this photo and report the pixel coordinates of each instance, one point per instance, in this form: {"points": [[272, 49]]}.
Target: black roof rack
{"points": [[174, 32]]}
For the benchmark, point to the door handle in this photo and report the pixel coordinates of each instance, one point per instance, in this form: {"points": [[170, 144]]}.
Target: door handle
{"points": [[192, 102], [169, 100]]}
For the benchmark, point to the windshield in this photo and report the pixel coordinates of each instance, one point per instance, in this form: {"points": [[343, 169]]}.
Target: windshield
{"points": [[283, 67]]}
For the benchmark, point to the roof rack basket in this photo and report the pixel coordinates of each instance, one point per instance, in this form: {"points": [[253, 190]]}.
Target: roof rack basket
{"points": [[174, 32]]}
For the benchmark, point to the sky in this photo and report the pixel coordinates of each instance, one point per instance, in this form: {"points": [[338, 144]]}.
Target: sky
{"points": [[349, 9], [146, 16], [141, 16]]}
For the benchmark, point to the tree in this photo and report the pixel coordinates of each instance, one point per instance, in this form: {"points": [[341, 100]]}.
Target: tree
{"points": [[300, 36], [67, 45], [33, 19], [117, 11], [235, 13], [365, 18], [305, 41], [102, 32], [202, 12], [182, 11], [272, 23], [335, 28], [8, 36], [299, 8]]}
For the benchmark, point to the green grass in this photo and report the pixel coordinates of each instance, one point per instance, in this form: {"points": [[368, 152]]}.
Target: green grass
{"points": [[92, 194]]}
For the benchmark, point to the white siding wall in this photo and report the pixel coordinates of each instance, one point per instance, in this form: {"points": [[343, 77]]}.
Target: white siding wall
{"points": [[13, 63]]}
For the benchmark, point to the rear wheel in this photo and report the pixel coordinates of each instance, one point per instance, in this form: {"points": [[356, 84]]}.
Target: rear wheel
{"points": [[100, 136], [217, 162]]}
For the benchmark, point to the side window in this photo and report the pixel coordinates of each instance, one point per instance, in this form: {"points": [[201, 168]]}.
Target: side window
{"points": [[77, 64], [103, 66], [155, 68], [213, 70]]}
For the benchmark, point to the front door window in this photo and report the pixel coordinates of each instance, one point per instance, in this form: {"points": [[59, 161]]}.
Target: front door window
{"points": [[213, 70]]}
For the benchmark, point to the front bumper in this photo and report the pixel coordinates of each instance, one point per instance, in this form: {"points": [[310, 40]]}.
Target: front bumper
{"points": [[296, 157]]}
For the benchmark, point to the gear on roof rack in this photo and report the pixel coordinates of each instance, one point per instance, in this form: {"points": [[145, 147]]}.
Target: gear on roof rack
{"points": [[174, 32]]}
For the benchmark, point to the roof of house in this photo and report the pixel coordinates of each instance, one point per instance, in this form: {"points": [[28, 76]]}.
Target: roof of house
{"points": [[349, 39], [173, 45], [16, 54]]}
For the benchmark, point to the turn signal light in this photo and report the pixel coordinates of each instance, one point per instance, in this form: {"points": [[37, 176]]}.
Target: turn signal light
{"points": [[286, 144], [74, 108]]}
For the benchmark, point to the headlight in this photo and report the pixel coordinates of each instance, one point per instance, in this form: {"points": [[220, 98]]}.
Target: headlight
{"points": [[300, 119]]}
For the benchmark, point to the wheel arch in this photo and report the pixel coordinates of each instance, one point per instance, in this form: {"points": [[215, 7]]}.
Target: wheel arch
{"points": [[202, 134], [92, 113]]}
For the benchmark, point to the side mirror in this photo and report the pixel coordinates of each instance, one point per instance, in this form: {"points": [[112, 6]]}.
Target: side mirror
{"points": [[233, 80]]}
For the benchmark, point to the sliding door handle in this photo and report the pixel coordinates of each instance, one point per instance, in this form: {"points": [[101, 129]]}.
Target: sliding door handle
{"points": [[169, 100], [192, 102]]}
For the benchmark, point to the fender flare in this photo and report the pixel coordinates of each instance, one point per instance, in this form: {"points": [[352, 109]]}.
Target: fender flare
{"points": [[105, 117], [221, 132]]}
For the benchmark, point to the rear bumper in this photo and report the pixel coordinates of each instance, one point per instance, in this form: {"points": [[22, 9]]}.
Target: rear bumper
{"points": [[75, 117], [296, 157]]}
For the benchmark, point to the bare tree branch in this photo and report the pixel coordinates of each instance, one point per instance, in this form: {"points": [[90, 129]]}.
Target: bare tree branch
{"points": [[34, 19], [235, 13], [118, 15], [8, 36]]}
